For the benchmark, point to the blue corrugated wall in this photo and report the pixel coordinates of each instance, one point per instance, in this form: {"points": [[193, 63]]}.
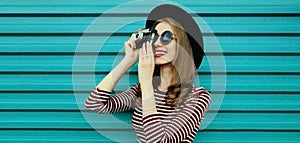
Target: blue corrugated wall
{"points": [[260, 42]]}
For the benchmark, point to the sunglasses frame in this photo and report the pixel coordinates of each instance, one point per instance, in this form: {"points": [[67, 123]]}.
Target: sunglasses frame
{"points": [[160, 37]]}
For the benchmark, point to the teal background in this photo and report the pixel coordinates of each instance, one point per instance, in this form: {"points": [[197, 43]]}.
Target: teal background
{"points": [[38, 39]]}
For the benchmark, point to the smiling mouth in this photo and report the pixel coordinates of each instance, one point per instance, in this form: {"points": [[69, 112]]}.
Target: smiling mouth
{"points": [[159, 53]]}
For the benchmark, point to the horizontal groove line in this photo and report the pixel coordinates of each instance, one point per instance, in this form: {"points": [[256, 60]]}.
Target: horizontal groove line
{"points": [[249, 130], [88, 91], [135, 73], [128, 34], [257, 92], [209, 111], [131, 130], [122, 54], [146, 14], [63, 129]]}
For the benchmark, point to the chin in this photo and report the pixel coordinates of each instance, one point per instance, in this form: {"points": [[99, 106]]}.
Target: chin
{"points": [[162, 62]]}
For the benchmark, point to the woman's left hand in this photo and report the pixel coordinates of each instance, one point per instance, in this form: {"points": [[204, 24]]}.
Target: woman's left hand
{"points": [[146, 63]]}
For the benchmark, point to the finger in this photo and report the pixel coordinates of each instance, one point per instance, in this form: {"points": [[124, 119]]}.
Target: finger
{"points": [[149, 48], [127, 47], [150, 51], [128, 41], [140, 54], [132, 37], [144, 50], [152, 37], [128, 44], [132, 45], [132, 41]]}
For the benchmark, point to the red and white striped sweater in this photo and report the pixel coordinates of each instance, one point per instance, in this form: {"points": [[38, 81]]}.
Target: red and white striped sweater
{"points": [[167, 125]]}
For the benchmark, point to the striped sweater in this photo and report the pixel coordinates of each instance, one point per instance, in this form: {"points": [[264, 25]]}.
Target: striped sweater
{"points": [[167, 125]]}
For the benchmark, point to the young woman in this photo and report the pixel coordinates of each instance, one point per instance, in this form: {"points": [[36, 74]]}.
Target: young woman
{"points": [[167, 106]]}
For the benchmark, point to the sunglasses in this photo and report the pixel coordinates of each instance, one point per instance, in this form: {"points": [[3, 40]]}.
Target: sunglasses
{"points": [[166, 37]]}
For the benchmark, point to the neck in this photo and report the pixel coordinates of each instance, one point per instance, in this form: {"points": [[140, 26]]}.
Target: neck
{"points": [[165, 76]]}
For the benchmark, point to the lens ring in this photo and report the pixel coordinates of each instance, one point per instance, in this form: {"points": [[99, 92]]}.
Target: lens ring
{"points": [[166, 37]]}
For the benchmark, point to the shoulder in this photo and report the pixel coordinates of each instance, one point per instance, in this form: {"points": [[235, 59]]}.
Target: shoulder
{"points": [[201, 94], [199, 90], [199, 99]]}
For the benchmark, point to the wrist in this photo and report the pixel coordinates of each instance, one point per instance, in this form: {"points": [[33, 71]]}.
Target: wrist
{"points": [[148, 100], [146, 85], [129, 61]]}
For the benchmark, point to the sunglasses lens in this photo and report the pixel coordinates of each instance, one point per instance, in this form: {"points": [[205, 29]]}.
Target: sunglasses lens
{"points": [[166, 37]]}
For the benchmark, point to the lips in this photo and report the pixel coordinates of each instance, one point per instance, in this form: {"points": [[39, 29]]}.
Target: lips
{"points": [[159, 53]]}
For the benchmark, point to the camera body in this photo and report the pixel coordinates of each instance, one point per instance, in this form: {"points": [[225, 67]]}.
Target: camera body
{"points": [[144, 35]]}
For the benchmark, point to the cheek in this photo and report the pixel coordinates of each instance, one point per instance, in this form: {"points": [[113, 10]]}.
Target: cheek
{"points": [[172, 55], [173, 51]]}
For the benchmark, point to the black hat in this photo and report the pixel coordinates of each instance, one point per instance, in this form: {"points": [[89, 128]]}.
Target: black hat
{"points": [[190, 27]]}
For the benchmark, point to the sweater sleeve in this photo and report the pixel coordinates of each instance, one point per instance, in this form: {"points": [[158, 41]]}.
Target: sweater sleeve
{"points": [[183, 123], [100, 100]]}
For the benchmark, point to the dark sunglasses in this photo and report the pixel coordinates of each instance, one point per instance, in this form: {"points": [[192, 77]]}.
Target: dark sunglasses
{"points": [[166, 37]]}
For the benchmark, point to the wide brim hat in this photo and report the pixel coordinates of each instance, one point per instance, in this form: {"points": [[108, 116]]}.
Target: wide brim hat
{"points": [[188, 23]]}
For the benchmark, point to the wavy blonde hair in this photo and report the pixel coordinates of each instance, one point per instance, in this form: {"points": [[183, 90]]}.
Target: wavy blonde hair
{"points": [[182, 68]]}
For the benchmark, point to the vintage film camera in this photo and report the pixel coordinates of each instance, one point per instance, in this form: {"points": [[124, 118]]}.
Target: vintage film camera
{"points": [[143, 35]]}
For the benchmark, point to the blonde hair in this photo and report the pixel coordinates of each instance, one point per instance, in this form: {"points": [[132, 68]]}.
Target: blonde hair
{"points": [[182, 68]]}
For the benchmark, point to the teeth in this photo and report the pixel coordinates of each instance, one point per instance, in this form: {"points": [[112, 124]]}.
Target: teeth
{"points": [[160, 53]]}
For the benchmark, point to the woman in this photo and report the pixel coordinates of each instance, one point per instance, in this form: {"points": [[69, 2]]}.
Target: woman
{"points": [[167, 107]]}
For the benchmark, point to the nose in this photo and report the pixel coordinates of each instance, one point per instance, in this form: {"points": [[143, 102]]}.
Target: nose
{"points": [[157, 43]]}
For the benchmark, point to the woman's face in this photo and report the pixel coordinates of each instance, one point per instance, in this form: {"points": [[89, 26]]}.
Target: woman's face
{"points": [[164, 53]]}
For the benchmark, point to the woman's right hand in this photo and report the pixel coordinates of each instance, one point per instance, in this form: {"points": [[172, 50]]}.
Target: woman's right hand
{"points": [[131, 52]]}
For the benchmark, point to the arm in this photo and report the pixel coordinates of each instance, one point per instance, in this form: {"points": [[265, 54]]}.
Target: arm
{"points": [[184, 122], [109, 82], [131, 55], [146, 69], [100, 100]]}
